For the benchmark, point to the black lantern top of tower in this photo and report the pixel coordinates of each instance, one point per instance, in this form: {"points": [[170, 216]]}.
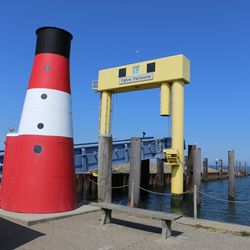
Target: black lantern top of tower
{"points": [[53, 40]]}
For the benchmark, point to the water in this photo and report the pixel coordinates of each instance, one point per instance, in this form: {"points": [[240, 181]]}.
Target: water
{"points": [[225, 211], [210, 209]]}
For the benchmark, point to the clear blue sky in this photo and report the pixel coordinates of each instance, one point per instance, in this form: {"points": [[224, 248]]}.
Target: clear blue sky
{"points": [[214, 35]]}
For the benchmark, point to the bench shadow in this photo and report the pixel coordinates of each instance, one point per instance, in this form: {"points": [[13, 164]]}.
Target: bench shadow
{"points": [[143, 227], [13, 235]]}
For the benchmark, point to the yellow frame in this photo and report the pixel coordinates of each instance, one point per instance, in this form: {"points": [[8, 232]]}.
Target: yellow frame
{"points": [[168, 69], [170, 75]]}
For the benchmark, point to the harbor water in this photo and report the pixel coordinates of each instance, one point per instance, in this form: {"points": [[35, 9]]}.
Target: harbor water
{"points": [[210, 208]]}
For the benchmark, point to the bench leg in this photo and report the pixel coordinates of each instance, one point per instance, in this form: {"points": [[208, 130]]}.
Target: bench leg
{"points": [[166, 229], [106, 216]]}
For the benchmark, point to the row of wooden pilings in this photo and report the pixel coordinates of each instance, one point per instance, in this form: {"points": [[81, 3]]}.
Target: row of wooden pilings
{"points": [[138, 173], [139, 168], [196, 159], [221, 174], [194, 166]]}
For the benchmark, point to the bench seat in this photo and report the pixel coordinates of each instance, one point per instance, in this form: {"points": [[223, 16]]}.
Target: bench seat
{"points": [[166, 218]]}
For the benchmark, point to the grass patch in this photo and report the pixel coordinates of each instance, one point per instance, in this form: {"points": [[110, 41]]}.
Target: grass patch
{"points": [[245, 233], [206, 227], [219, 230]]}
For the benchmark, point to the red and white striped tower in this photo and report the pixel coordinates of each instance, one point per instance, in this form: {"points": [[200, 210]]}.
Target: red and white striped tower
{"points": [[38, 170]]}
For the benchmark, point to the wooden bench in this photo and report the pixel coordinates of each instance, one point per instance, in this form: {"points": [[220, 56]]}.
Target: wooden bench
{"points": [[166, 218]]}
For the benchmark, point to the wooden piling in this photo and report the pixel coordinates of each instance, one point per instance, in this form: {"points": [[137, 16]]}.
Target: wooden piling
{"points": [[79, 187], [220, 169], [154, 180], [189, 172], [240, 168], [237, 168], [105, 168], [124, 180], [86, 184], [160, 172], [168, 179], [92, 185], [197, 171], [135, 171], [150, 179], [195, 202], [216, 163], [231, 175], [246, 170], [84, 189], [205, 169], [145, 168]]}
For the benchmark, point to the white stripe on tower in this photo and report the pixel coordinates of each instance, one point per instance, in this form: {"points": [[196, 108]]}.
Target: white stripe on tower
{"points": [[46, 112]]}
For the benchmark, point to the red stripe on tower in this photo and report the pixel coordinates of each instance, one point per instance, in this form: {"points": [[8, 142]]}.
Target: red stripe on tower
{"points": [[50, 71], [38, 169]]}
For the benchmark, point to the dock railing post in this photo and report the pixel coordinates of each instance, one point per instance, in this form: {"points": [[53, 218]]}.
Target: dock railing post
{"points": [[231, 175], [195, 202]]}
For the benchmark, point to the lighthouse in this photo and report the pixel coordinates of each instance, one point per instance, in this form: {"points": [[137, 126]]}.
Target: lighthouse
{"points": [[38, 168]]}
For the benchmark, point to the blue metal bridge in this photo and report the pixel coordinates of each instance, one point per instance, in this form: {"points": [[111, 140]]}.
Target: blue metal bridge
{"points": [[86, 154]]}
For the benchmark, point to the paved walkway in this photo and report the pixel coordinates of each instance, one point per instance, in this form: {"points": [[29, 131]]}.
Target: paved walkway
{"points": [[31, 219], [126, 232]]}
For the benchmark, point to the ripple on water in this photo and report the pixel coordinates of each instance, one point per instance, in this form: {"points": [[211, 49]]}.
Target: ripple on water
{"points": [[210, 209]]}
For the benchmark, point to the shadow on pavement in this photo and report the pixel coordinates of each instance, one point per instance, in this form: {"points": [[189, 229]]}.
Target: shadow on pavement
{"points": [[142, 227], [13, 235]]}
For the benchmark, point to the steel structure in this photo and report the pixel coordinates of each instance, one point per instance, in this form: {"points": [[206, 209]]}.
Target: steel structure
{"points": [[169, 74], [86, 153]]}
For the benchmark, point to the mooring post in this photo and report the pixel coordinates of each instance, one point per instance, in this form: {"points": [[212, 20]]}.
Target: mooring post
{"points": [[237, 168], [135, 171], [105, 168], [246, 170], [197, 172], [220, 164], [160, 172], [240, 168], [205, 169], [221, 169], [231, 175], [195, 202]]}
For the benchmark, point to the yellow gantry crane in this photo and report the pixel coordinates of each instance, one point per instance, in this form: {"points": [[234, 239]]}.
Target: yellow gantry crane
{"points": [[169, 74]]}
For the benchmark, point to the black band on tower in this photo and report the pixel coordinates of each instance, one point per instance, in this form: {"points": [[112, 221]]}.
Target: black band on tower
{"points": [[53, 40]]}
